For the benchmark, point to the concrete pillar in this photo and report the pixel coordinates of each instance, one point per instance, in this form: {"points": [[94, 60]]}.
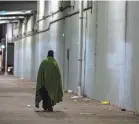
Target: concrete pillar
{"points": [[41, 10], [132, 56], [28, 50], [54, 5], [9, 32], [110, 52], [22, 50]]}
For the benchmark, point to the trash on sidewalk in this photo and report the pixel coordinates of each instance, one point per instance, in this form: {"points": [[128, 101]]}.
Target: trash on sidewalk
{"points": [[65, 108], [123, 109], [75, 97], [69, 91], [87, 99], [110, 109], [87, 114], [105, 103], [28, 105], [106, 108], [75, 100], [67, 121]]}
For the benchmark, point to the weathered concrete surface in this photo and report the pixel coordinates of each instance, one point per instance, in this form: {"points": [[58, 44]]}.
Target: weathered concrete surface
{"points": [[16, 95]]}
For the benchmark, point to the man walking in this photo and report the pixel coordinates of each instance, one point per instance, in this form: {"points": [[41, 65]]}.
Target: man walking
{"points": [[49, 83]]}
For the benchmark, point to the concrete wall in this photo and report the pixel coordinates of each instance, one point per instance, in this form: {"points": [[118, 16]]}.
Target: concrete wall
{"points": [[110, 49], [132, 61], [110, 52]]}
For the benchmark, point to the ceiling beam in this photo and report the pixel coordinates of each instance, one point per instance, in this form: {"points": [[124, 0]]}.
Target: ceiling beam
{"points": [[12, 18]]}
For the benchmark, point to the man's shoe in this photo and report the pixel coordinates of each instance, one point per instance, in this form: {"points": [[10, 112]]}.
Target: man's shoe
{"points": [[50, 110], [37, 105]]}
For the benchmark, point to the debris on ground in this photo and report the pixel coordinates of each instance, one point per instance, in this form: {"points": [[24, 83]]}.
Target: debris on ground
{"points": [[123, 109], [87, 99], [135, 113], [69, 91], [105, 103], [110, 109], [107, 108], [75, 97], [28, 105], [87, 114]]}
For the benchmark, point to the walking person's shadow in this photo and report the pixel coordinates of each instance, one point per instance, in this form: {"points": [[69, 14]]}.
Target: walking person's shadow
{"points": [[54, 114]]}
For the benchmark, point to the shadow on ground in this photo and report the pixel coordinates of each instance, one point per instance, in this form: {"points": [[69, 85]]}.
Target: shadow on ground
{"points": [[55, 114]]}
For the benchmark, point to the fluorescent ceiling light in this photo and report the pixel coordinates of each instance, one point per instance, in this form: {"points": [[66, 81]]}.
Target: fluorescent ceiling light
{"points": [[4, 13], [28, 12], [2, 46], [7, 21], [12, 17]]}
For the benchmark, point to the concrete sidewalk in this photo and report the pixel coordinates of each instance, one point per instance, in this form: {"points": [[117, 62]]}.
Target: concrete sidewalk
{"points": [[17, 107]]}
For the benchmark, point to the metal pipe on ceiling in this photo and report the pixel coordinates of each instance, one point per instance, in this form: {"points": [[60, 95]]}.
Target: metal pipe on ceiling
{"points": [[8, 21]]}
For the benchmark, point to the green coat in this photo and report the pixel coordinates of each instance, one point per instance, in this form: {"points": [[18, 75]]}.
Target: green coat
{"points": [[49, 76]]}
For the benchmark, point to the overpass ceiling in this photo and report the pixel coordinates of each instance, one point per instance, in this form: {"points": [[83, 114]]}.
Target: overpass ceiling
{"points": [[18, 5], [11, 11]]}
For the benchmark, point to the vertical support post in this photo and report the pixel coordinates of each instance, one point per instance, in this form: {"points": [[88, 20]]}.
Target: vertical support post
{"points": [[2, 57], [80, 48], [6, 57]]}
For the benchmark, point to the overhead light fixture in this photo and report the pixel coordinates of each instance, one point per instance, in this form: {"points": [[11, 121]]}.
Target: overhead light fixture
{"points": [[28, 12], [8, 21], [12, 18], [2, 46], [4, 13]]}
